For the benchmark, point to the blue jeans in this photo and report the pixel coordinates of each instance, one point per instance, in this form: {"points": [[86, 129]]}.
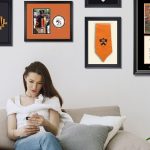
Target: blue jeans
{"points": [[38, 141]]}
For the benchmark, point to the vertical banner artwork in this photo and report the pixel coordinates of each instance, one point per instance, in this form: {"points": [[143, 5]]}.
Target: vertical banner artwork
{"points": [[103, 42]]}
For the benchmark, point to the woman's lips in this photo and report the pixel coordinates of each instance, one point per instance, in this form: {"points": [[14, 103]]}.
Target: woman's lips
{"points": [[34, 91]]}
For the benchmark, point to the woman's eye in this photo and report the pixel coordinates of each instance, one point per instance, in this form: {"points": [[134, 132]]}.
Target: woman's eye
{"points": [[41, 83], [31, 81]]}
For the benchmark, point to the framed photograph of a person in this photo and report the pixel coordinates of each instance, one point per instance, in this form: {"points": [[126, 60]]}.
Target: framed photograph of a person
{"points": [[48, 21], [103, 42], [142, 37], [41, 21], [102, 3], [6, 22]]}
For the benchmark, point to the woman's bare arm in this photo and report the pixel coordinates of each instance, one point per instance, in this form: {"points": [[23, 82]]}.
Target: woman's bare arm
{"points": [[50, 125], [53, 123], [12, 125], [14, 133]]}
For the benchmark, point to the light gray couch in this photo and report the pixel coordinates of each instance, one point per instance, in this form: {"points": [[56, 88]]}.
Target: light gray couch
{"points": [[122, 141]]}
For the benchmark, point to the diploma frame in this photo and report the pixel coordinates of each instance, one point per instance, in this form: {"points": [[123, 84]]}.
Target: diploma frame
{"points": [[56, 24], [92, 60], [141, 37], [103, 3], [6, 22]]}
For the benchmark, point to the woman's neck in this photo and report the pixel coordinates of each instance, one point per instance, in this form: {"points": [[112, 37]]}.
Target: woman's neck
{"points": [[30, 96]]}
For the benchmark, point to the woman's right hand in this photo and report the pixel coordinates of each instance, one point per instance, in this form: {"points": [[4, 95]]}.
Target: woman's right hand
{"points": [[28, 129]]}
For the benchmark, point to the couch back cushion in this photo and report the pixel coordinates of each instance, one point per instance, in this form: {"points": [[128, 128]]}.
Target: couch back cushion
{"points": [[5, 143], [77, 114]]}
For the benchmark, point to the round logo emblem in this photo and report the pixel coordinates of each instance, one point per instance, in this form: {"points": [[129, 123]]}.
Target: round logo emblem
{"points": [[58, 21]]}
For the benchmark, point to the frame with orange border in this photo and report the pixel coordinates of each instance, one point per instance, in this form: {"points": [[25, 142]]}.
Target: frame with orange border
{"points": [[57, 8]]}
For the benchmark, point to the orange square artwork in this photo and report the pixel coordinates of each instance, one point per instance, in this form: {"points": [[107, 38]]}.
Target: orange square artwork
{"points": [[48, 21]]}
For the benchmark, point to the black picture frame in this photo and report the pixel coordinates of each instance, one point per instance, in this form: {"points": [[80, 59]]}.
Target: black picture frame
{"points": [[62, 10], [6, 22], [141, 37], [103, 3], [92, 60]]}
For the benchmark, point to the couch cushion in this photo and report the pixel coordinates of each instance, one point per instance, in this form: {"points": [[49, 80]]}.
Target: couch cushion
{"points": [[127, 141], [76, 136], [5, 143], [77, 114], [114, 121]]}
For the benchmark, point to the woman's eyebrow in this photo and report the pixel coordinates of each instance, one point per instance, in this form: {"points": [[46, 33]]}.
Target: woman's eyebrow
{"points": [[37, 81], [31, 79], [41, 82]]}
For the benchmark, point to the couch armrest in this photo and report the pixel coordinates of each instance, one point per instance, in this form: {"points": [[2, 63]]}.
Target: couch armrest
{"points": [[5, 143], [127, 141]]}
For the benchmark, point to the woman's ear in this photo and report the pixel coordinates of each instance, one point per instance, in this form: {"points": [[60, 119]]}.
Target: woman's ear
{"points": [[25, 77]]}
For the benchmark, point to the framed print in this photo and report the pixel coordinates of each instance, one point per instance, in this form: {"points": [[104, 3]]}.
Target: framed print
{"points": [[142, 37], [102, 3], [6, 23], [48, 21], [102, 42]]}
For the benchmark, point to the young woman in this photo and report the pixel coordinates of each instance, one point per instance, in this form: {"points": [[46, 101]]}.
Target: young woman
{"points": [[33, 118]]}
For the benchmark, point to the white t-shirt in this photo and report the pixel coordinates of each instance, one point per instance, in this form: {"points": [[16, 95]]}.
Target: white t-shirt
{"points": [[40, 106]]}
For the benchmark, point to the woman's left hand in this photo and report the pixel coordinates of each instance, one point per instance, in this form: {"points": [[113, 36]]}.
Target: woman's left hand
{"points": [[36, 119]]}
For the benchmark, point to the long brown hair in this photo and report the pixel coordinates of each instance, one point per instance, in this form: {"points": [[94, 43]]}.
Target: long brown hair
{"points": [[48, 89]]}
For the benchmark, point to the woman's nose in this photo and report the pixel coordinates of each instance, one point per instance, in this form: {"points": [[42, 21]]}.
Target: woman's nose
{"points": [[34, 86]]}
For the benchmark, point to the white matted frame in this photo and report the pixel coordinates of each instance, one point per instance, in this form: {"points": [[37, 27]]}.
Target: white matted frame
{"points": [[91, 58]]}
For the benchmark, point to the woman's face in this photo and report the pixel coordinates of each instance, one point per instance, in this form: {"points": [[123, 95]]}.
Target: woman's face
{"points": [[34, 84]]}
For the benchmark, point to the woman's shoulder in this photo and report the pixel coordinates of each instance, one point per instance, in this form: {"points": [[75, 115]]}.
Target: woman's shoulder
{"points": [[53, 100], [53, 103], [11, 106], [13, 99]]}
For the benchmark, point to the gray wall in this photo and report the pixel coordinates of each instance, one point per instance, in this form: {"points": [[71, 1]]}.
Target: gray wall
{"points": [[78, 86]]}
